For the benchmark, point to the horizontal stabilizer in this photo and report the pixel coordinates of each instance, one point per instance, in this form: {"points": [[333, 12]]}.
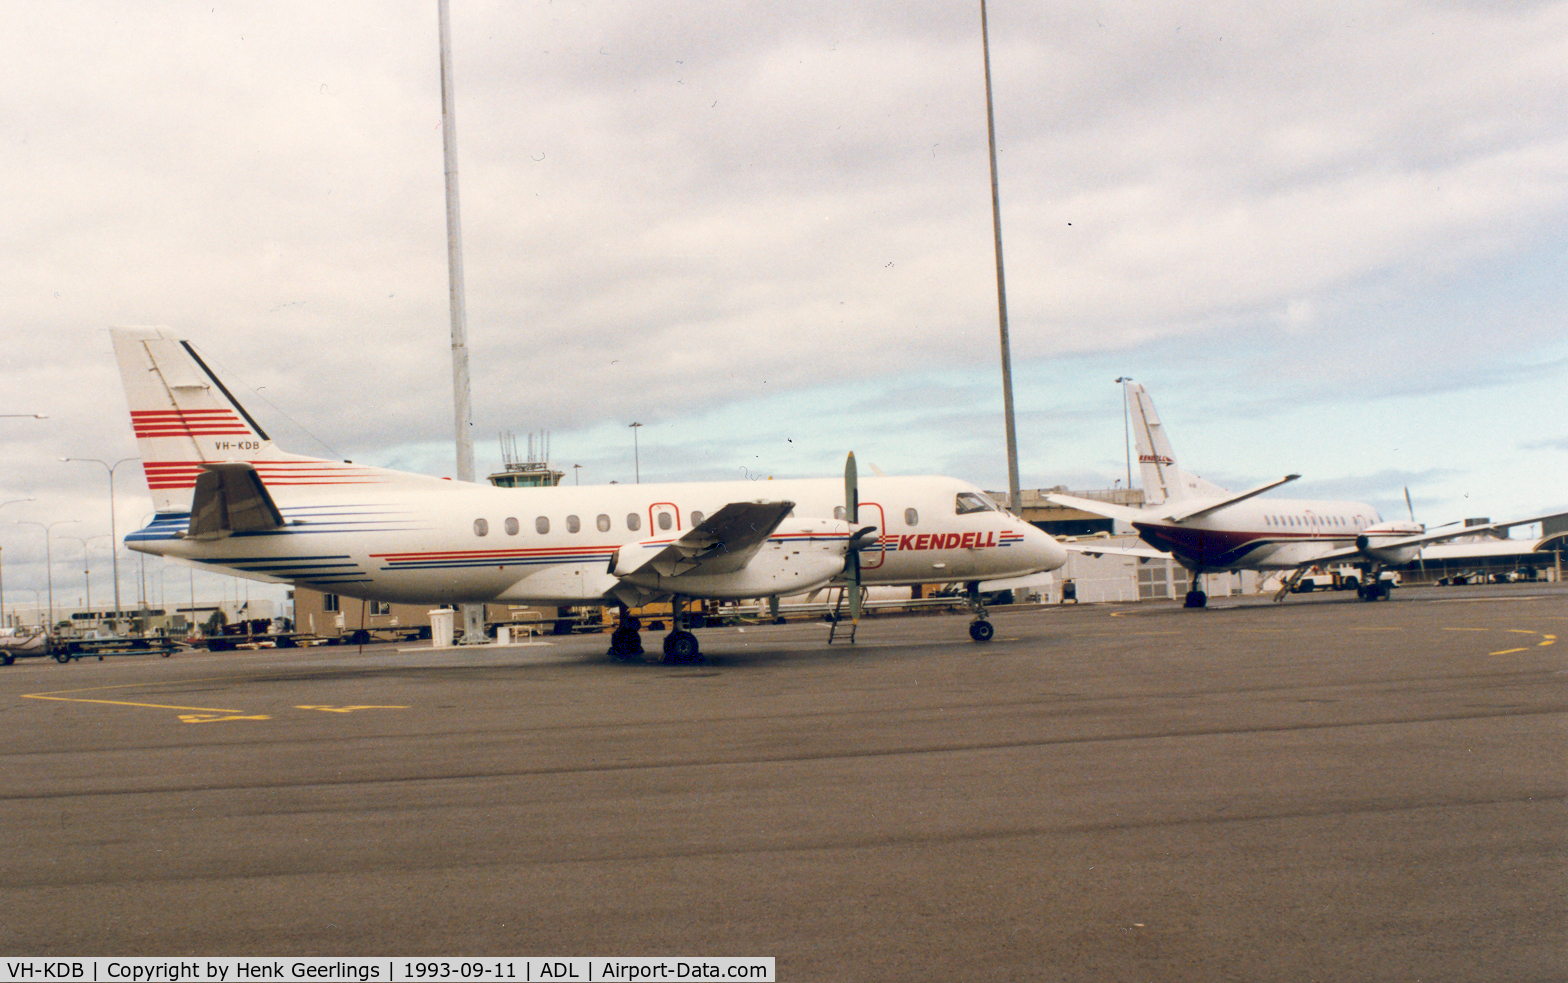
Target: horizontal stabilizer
{"points": [[229, 499], [1204, 507]]}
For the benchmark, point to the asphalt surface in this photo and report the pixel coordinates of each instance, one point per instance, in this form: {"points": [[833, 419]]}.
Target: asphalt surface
{"points": [[1320, 790]]}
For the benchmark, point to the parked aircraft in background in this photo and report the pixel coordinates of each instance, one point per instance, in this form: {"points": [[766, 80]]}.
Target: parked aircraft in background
{"points": [[227, 498], [1208, 529]]}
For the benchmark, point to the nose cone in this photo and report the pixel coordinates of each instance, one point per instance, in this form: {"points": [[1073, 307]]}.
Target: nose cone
{"points": [[1046, 552]]}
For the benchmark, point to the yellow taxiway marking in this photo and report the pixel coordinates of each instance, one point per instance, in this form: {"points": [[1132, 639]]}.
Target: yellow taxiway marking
{"points": [[212, 718], [57, 695], [193, 715], [1546, 640]]}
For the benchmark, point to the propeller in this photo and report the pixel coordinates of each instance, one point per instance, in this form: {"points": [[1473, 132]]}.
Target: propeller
{"points": [[852, 560], [1420, 553]]}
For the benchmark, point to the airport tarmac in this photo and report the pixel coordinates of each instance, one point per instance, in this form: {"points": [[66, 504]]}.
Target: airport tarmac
{"points": [[1319, 790]]}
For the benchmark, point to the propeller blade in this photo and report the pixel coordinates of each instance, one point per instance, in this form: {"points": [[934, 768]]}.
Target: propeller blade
{"points": [[851, 490], [1408, 507], [854, 587], [852, 513]]}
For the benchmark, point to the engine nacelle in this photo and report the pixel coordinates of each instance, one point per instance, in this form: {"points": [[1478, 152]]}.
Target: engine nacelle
{"points": [[800, 556], [1373, 539]]}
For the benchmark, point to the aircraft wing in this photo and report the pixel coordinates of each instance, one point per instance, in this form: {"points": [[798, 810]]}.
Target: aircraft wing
{"points": [[230, 498], [1424, 538], [1171, 511], [1205, 506], [722, 543], [1141, 552]]}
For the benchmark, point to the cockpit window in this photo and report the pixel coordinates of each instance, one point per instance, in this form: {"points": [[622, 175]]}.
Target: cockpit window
{"points": [[973, 502]]}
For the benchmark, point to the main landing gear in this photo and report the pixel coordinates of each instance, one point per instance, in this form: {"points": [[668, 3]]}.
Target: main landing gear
{"points": [[980, 629], [680, 645], [1374, 589], [626, 639], [1195, 597]]}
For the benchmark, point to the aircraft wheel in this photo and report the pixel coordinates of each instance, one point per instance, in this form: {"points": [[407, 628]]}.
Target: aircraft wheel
{"points": [[680, 647], [981, 631], [1197, 599]]}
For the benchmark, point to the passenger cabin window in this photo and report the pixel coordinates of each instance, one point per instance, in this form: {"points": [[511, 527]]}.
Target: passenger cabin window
{"points": [[911, 517], [542, 525], [633, 521], [512, 527], [696, 518], [603, 522], [970, 502], [481, 527], [573, 524], [665, 520], [839, 513]]}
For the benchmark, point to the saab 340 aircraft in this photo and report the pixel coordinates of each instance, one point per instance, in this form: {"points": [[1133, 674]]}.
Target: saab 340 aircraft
{"points": [[1207, 528], [228, 499]]}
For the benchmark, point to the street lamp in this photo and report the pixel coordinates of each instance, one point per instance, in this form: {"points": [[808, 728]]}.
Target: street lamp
{"points": [[3, 622], [1126, 427], [114, 546], [48, 559], [636, 457]]}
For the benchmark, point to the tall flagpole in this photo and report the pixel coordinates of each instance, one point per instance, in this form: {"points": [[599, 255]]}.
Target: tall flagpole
{"points": [[1014, 500], [462, 402]]}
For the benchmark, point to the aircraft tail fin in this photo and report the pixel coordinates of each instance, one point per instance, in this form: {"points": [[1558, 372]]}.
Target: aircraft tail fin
{"points": [[1163, 480], [186, 419]]}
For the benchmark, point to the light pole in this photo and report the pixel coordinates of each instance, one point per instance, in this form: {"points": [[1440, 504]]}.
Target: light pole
{"points": [[1126, 427], [114, 545], [636, 455], [577, 474], [1014, 504], [48, 559], [3, 622]]}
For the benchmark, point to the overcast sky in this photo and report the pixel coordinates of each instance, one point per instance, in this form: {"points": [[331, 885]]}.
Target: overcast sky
{"points": [[1329, 238]]}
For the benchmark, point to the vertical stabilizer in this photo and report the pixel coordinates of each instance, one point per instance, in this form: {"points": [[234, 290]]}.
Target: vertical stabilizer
{"points": [[186, 420], [1163, 481]]}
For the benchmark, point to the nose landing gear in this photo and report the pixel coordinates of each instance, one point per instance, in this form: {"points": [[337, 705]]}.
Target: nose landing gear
{"points": [[980, 629]]}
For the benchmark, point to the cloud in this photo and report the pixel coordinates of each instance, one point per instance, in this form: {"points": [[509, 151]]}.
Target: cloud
{"points": [[696, 214]]}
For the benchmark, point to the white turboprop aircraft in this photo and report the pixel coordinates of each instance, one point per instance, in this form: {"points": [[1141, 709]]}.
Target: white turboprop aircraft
{"points": [[1207, 528], [228, 499]]}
